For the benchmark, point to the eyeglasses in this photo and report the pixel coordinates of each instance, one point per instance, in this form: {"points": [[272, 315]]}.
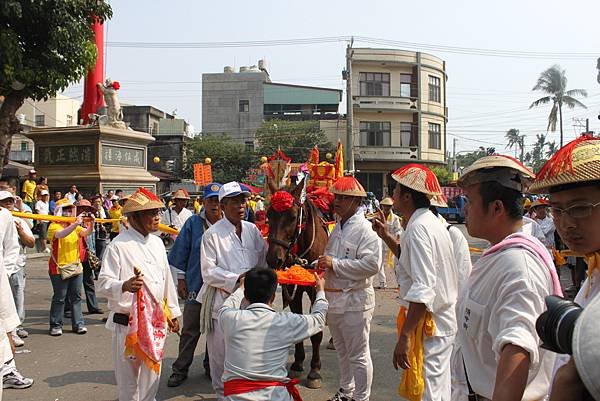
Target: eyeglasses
{"points": [[579, 211]]}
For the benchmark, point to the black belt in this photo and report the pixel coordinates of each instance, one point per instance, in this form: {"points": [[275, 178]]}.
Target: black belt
{"points": [[121, 318]]}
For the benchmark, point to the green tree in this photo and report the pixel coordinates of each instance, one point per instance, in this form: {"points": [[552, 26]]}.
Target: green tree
{"points": [[295, 138], [553, 81], [442, 174], [517, 141], [536, 158], [466, 159], [230, 159], [45, 46]]}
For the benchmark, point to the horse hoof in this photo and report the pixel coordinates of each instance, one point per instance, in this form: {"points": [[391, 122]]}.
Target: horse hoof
{"points": [[314, 383], [294, 374]]}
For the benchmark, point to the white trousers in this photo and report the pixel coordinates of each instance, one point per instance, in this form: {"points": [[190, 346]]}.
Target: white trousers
{"points": [[135, 382], [460, 389], [436, 364], [350, 331], [381, 273], [215, 342]]}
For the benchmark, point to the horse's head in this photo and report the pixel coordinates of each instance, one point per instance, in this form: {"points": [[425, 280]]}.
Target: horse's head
{"points": [[284, 217]]}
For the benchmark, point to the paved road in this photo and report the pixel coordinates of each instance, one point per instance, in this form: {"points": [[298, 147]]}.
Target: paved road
{"points": [[74, 367]]}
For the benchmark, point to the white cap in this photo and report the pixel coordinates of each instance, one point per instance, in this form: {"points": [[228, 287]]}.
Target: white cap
{"points": [[32, 171], [114, 198], [44, 192], [6, 195], [231, 189]]}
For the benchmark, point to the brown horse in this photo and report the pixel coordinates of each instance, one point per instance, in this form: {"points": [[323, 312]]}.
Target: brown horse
{"points": [[293, 236]]}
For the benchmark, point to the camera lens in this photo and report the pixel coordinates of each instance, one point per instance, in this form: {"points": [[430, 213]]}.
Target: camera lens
{"points": [[555, 326]]}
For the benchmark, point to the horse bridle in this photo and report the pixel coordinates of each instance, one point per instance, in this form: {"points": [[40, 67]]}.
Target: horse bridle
{"points": [[289, 245]]}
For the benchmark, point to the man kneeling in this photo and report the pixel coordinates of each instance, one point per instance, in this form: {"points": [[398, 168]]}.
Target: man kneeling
{"points": [[257, 338]]}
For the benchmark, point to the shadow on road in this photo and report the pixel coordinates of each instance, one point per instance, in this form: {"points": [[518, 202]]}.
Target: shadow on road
{"points": [[90, 376]]}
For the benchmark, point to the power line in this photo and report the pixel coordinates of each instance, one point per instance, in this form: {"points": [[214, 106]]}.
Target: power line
{"points": [[363, 39]]}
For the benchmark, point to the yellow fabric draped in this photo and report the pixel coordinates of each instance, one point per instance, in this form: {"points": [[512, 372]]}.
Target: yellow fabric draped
{"points": [[65, 219], [591, 259], [412, 384]]}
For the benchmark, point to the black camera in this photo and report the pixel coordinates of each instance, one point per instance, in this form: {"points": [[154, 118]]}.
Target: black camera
{"points": [[555, 326]]}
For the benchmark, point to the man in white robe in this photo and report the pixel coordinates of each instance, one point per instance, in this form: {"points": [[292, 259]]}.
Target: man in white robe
{"points": [[394, 228], [427, 276], [258, 339], [9, 319], [230, 248], [136, 248], [574, 189], [178, 213], [506, 290], [351, 260]]}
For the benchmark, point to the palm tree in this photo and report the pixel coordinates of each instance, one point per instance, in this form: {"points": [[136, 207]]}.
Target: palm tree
{"points": [[552, 149], [553, 81], [512, 135]]}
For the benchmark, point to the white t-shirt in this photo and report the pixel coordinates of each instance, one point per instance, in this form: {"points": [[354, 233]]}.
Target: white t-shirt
{"points": [[504, 296], [42, 207]]}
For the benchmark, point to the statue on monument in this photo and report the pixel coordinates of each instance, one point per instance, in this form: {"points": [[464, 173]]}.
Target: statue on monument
{"points": [[114, 113]]}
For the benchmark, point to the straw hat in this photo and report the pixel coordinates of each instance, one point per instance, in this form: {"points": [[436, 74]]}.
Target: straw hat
{"points": [[387, 202], [439, 201], [419, 178], [142, 199], [347, 186], [576, 162], [60, 205], [84, 205], [505, 170], [181, 194], [540, 202]]}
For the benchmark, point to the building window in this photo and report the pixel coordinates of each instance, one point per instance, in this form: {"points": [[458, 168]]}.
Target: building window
{"points": [[405, 81], [249, 146], [69, 120], [40, 120], [244, 106], [435, 136], [408, 135], [24, 145], [375, 133], [434, 89], [374, 84]]}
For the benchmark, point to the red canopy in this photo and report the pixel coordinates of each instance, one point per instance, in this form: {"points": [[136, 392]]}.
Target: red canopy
{"points": [[252, 189]]}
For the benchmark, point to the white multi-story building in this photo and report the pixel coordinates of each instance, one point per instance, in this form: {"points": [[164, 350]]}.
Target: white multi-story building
{"points": [[399, 113]]}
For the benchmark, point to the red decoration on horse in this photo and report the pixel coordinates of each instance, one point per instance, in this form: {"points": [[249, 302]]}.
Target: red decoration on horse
{"points": [[282, 201]]}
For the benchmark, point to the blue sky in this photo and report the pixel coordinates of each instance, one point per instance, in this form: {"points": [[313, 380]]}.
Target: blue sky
{"points": [[486, 95]]}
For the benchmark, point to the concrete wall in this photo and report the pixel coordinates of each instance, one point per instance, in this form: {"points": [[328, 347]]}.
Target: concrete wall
{"points": [[58, 111], [221, 94], [143, 118]]}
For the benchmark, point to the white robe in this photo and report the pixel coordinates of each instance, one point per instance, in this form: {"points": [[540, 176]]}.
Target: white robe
{"points": [[503, 299], [172, 218], [128, 250], [548, 228], [223, 257], [532, 227], [258, 339], [356, 253], [9, 319], [427, 271]]}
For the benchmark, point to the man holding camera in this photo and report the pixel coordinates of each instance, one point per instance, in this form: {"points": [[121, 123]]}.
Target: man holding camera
{"points": [[506, 289], [572, 178]]}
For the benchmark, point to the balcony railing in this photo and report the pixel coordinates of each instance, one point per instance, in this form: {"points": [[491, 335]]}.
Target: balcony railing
{"points": [[393, 103], [387, 153]]}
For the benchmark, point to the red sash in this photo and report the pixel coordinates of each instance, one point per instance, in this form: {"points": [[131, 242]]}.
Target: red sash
{"points": [[242, 386]]}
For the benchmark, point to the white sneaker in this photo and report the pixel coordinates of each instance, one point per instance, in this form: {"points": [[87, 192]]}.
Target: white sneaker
{"points": [[16, 380], [21, 332], [47, 250], [16, 339]]}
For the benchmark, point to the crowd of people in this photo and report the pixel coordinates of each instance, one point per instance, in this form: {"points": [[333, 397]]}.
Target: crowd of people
{"points": [[464, 331]]}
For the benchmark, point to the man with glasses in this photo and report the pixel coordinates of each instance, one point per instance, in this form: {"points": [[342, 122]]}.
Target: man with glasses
{"points": [[136, 258], [572, 178], [229, 248], [351, 260], [505, 292]]}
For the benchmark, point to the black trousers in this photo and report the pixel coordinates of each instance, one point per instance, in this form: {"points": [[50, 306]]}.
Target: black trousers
{"points": [[190, 335]]}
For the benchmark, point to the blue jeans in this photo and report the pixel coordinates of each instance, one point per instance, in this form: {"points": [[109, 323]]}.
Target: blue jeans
{"points": [[57, 306], [17, 285]]}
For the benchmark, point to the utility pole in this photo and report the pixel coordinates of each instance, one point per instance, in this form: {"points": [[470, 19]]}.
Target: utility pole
{"points": [[454, 164], [349, 107]]}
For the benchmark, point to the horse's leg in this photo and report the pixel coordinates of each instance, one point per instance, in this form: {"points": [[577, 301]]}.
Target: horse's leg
{"points": [[314, 379], [296, 307]]}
